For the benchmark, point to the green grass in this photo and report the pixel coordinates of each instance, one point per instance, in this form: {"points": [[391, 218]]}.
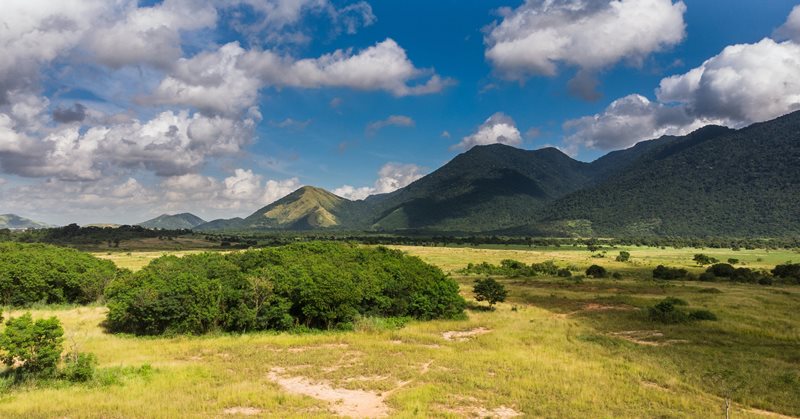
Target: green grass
{"points": [[556, 348]]}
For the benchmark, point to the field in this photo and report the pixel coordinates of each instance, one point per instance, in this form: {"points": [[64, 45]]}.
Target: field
{"points": [[556, 348]]}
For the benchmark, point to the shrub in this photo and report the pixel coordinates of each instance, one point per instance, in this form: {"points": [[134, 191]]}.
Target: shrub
{"points": [[765, 280], [724, 270], [623, 256], [790, 271], [33, 273], [616, 275], [596, 271], [665, 312], [663, 272], [676, 301], [702, 259], [313, 285], [32, 348], [564, 273], [490, 291], [702, 315], [80, 367], [733, 261], [706, 277]]}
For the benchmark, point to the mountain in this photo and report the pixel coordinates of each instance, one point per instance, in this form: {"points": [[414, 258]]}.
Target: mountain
{"points": [[715, 181], [221, 224], [15, 222], [174, 222], [307, 208], [712, 182], [486, 188]]}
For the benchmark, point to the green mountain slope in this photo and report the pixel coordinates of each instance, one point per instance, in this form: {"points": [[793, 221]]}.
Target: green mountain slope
{"points": [[486, 188], [15, 222], [714, 182], [173, 222], [307, 208]]}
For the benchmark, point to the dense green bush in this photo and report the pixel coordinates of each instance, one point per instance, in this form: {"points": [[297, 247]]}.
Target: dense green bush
{"points": [[623, 256], [512, 268], [667, 312], [663, 272], [32, 348], [788, 271], [33, 273], [80, 367], [596, 271], [316, 284], [490, 291], [724, 270], [703, 259]]}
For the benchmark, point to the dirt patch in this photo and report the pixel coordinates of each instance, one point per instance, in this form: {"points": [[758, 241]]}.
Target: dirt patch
{"points": [[343, 402], [651, 384], [465, 335], [646, 337], [498, 412], [243, 411]]}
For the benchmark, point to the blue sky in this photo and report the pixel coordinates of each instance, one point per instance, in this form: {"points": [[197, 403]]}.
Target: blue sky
{"points": [[126, 114]]}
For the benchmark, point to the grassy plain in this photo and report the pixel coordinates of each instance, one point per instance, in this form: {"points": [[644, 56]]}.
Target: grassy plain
{"points": [[557, 348]]}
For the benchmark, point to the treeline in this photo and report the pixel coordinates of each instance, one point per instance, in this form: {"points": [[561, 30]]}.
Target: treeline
{"points": [[41, 273], [304, 285], [788, 273], [74, 234]]}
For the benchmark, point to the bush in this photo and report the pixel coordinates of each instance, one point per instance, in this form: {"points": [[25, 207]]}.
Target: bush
{"points": [[723, 270], [616, 275], [663, 272], [623, 256], [676, 301], [32, 348], [765, 280], [490, 291], [596, 271], [788, 271], [314, 285], [706, 277], [80, 367], [564, 273], [665, 312], [702, 259], [702, 315], [733, 261], [34, 273]]}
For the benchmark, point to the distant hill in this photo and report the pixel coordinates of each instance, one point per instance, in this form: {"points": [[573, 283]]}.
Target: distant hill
{"points": [[173, 222], [715, 181], [221, 224], [15, 222]]}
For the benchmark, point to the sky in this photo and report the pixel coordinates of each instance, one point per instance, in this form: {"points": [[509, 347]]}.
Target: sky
{"points": [[116, 111]]}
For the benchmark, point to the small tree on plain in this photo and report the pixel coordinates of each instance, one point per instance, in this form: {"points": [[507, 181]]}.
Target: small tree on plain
{"points": [[596, 271], [490, 291], [32, 347]]}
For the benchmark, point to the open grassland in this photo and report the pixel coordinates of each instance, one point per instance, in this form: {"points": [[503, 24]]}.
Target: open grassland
{"points": [[557, 348]]}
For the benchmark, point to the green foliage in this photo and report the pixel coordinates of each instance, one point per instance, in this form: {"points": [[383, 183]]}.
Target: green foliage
{"points": [[623, 256], [490, 291], [33, 273], [32, 348], [703, 259], [564, 273], [663, 272], [788, 271], [512, 268], [667, 312], [721, 270], [733, 261], [596, 271], [316, 285], [80, 367]]}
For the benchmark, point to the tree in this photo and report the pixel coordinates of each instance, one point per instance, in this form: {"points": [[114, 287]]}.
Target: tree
{"points": [[490, 291], [703, 259], [596, 271], [32, 347], [623, 256]]}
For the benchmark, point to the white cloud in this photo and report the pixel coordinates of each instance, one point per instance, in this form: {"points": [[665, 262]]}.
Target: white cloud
{"points": [[627, 121], [149, 35], [393, 120], [227, 80], [497, 129], [391, 177], [445, 134], [171, 143], [745, 83], [790, 29], [536, 37]]}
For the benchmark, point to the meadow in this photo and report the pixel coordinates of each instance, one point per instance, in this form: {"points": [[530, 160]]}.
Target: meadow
{"points": [[556, 348]]}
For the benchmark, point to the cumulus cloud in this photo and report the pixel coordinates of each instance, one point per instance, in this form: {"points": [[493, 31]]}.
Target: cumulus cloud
{"points": [[149, 35], [627, 121], [497, 129], [74, 113], [745, 83], [790, 29], [391, 177], [227, 80], [169, 144], [538, 36], [393, 120], [242, 191]]}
